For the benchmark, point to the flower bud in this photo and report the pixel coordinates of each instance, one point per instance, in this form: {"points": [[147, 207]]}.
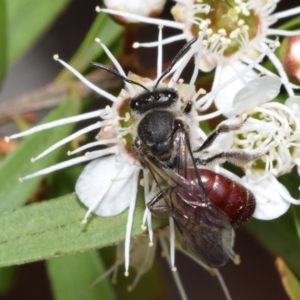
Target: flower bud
{"points": [[145, 8], [290, 56]]}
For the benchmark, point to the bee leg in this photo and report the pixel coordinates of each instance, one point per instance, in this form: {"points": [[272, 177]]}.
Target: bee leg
{"points": [[223, 127], [236, 157], [158, 206], [136, 146]]}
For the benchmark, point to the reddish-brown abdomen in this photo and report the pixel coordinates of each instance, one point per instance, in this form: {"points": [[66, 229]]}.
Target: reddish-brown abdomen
{"points": [[233, 198]]}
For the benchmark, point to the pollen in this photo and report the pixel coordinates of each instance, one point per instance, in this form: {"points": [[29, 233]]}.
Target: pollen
{"points": [[237, 260], [136, 45], [56, 57], [97, 40], [106, 128], [126, 274], [7, 140], [205, 43], [116, 121], [209, 32], [222, 31], [275, 44], [241, 22], [32, 159], [235, 33], [127, 117], [123, 94]]}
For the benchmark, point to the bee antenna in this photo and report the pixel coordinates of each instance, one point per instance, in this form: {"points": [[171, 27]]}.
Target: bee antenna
{"points": [[116, 73], [182, 51]]}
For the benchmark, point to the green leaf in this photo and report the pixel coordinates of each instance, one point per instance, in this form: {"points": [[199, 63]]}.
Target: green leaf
{"points": [[296, 215], [7, 279], [70, 277], [279, 236], [3, 40], [51, 228], [289, 281], [104, 28], [17, 164], [291, 23], [27, 20]]}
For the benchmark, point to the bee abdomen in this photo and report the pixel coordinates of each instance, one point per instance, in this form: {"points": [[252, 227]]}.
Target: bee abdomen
{"points": [[233, 198]]}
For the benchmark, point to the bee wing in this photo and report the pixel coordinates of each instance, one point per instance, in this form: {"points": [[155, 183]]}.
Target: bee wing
{"points": [[205, 230], [185, 164]]}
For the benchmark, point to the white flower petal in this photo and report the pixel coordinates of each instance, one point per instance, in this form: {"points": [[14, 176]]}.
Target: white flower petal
{"points": [[224, 99], [256, 92], [222, 142], [292, 100], [269, 203], [105, 185], [294, 104]]}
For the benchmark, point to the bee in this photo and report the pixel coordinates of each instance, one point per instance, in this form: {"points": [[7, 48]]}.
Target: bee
{"points": [[204, 205]]}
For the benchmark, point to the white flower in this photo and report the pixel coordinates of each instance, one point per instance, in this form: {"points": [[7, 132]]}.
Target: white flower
{"points": [[237, 32], [272, 128], [146, 8], [108, 185]]}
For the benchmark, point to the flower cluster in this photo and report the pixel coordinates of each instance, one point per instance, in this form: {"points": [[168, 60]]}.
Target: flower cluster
{"points": [[232, 38]]}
